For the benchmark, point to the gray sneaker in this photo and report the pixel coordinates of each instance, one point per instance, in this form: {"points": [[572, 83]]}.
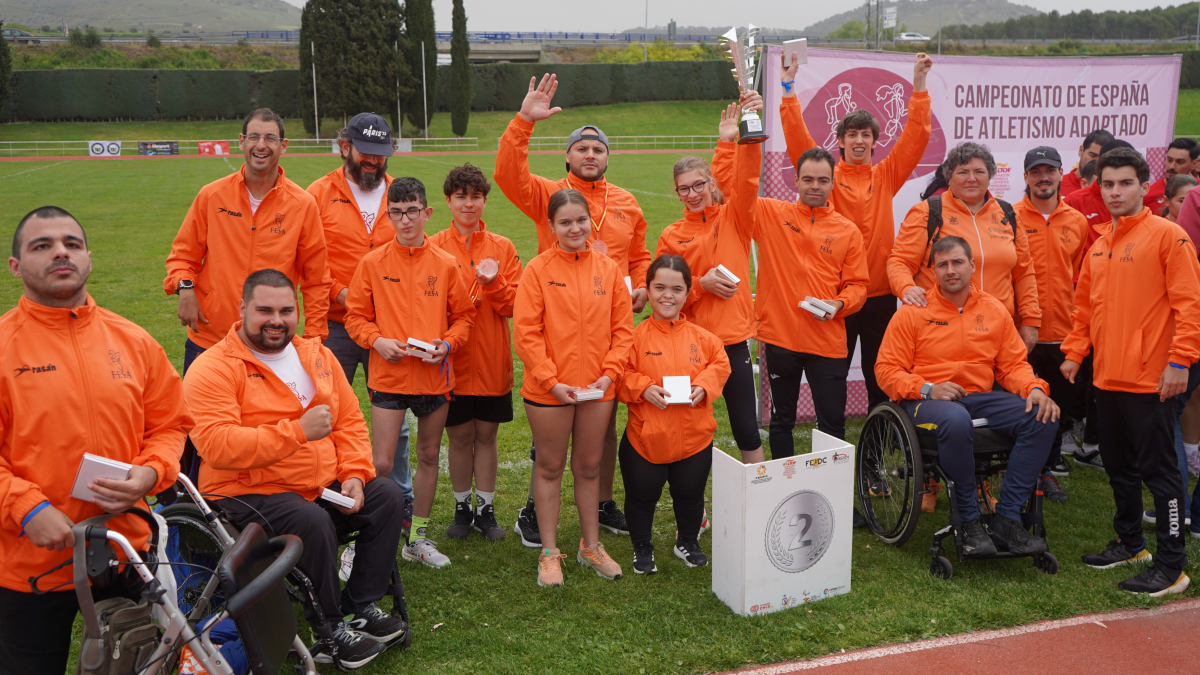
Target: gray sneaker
{"points": [[425, 551], [1089, 457]]}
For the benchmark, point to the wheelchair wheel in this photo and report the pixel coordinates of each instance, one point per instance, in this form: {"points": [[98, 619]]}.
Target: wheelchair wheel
{"points": [[194, 550], [889, 473], [941, 567], [1046, 562]]}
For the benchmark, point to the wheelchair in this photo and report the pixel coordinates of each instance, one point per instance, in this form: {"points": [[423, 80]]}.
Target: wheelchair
{"points": [[200, 534], [893, 465]]}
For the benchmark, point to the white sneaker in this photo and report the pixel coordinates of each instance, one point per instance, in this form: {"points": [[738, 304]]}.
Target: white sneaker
{"points": [[346, 562], [425, 551], [1193, 462]]}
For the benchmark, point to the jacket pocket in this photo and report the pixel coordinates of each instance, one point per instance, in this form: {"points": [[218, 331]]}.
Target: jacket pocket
{"points": [[1140, 347]]}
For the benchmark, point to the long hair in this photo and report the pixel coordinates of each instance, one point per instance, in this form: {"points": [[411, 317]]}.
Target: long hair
{"points": [[693, 163]]}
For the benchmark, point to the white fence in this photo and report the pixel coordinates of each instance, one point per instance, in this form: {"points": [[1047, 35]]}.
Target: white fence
{"points": [[295, 145], [633, 142]]}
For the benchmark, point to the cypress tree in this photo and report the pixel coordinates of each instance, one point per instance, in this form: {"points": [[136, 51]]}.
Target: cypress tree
{"points": [[5, 71], [460, 72], [419, 29]]}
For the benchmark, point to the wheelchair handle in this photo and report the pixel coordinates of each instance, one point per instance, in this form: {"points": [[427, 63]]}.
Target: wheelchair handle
{"points": [[288, 548]]}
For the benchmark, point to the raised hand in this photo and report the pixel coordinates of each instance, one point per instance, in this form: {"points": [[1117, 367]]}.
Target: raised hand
{"points": [[728, 129], [787, 73], [921, 68], [536, 106]]}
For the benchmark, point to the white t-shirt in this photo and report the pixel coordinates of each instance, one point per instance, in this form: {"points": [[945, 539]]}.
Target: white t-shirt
{"points": [[253, 202], [286, 366], [368, 202]]}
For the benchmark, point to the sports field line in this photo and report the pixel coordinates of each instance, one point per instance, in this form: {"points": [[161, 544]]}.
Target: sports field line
{"points": [[10, 175], [329, 154]]}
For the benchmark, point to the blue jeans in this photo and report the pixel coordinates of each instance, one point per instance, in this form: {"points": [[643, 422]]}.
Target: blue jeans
{"points": [[950, 422], [1180, 401]]}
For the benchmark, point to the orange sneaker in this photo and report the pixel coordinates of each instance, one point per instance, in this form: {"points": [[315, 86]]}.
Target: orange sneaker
{"points": [[929, 499], [550, 568], [598, 559], [991, 498]]}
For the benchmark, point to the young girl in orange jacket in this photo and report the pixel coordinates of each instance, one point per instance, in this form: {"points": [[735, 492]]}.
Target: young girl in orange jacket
{"points": [[669, 439], [572, 326]]}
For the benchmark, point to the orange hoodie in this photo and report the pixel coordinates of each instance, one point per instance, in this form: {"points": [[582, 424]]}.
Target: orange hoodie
{"points": [[721, 236], [346, 235], [864, 193], [1136, 303], [672, 348], [74, 381], [939, 344], [403, 292], [617, 218], [248, 423], [572, 322], [221, 243], [1003, 269], [1056, 247], [802, 252], [484, 365]]}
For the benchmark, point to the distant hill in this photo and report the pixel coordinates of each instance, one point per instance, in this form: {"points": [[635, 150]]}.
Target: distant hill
{"points": [[923, 16], [157, 15]]}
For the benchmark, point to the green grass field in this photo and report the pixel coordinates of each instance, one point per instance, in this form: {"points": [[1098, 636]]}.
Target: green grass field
{"points": [[489, 614]]}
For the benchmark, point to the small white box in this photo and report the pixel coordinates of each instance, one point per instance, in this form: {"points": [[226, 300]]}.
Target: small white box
{"points": [[822, 305], [816, 311], [797, 47], [629, 284], [979, 422], [679, 389], [337, 498], [419, 344], [730, 275], [588, 394], [93, 467]]}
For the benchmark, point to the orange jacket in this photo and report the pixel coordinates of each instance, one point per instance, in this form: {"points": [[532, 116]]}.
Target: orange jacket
{"points": [[939, 344], [346, 236], [864, 193], [403, 292], [74, 381], [572, 323], [614, 211], [1003, 268], [1071, 182], [1136, 304], [798, 257], [672, 348], [1056, 246], [721, 236], [221, 243], [248, 423], [484, 365]]}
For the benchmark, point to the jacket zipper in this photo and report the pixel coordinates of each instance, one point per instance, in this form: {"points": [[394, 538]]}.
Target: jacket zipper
{"points": [[87, 387], [582, 319], [982, 255]]}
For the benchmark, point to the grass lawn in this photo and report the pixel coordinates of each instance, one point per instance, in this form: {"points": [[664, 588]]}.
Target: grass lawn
{"points": [[486, 613], [1187, 112]]}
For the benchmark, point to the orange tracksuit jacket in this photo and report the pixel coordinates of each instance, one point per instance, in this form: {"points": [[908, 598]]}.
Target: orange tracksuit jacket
{"points": [[403, 292], [484, 365], [1057, 248], [248, 423], [864, 193], [938, 344], [803, 252], [572, 323], [615, 211], [1136, 304], [672, 348], [346, 236], [721, 236], [221, 243], [74, 381], [1003, 268]]}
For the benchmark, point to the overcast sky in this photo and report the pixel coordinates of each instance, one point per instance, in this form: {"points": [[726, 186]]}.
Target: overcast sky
{"points": [[618, 15]]}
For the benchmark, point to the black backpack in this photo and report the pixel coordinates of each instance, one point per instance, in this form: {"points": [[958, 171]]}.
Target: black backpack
{"points": [[933, 226]]}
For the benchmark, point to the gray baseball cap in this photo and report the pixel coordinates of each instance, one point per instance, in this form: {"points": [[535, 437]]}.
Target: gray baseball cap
{"points": [[578, 135]]}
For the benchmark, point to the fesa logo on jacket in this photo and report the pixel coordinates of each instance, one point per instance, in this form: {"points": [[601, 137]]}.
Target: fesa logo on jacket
{"points": [[431, 286], [598, 286]]}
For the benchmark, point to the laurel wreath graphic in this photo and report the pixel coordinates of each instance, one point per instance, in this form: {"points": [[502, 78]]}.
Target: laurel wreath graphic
{"points": [[777, 548], [819, 547]]}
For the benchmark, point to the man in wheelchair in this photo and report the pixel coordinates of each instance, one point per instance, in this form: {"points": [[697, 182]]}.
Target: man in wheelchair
{"points": [[277, 424], [941, 363]]}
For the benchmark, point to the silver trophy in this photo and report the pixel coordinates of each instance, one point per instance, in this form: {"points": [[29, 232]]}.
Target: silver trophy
{"points": [[744, 54]]}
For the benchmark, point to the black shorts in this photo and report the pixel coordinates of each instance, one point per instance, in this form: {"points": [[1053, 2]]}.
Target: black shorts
{"points": [[545, 405], [420, 404], [463, 409]]}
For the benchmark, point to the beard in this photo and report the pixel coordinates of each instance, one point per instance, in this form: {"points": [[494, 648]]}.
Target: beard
{"points": [[269, 344], [60, 289], [365, 180]]}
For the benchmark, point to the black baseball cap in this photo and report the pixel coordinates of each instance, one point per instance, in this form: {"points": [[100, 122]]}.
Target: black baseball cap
{"points": [[370, 134], [1041, 155]]}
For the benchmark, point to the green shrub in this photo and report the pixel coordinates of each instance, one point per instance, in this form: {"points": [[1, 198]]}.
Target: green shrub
{"points": [[153, 42]]}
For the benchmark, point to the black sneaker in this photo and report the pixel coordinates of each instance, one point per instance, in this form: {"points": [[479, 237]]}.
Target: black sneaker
{"points": [[349, 650], [976, 541], [485, 523], [1156, 582], [463, 517], [377, 624], [1115, 555], [1060, 469], [859, 519], [1009, 535], [643, 559], [612, 519], [1089, 458], [1050, 487], [688, 550], [526, 527]]}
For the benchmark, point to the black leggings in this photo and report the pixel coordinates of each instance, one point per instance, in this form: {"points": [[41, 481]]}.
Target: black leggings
{"points": [[739, 397], [644, 483], [826, 378]]}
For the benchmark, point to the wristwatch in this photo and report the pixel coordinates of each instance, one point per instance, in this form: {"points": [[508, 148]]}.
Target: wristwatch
{"points": [[926, 390], [185, 285]]}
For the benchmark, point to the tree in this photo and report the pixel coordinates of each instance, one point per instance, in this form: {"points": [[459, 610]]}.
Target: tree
{"points": [[418, 25], [5, 71], [460, 72], [852, 29]]}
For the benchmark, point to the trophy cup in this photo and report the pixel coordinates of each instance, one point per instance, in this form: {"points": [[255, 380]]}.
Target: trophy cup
{"points": [[744, 54]]}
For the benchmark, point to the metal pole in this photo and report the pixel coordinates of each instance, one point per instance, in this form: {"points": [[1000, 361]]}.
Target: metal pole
{"points": [[1198, 30], [646, 35], [424, 93], [399, 117], [312, 50], [939, 32]]}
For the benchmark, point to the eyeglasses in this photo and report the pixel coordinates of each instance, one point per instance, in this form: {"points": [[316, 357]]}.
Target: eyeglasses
{"points": [[271, 139], [696, 187], [397, 215]]}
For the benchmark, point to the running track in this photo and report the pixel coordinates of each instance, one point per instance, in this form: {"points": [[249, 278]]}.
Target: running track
{"points": [[1163, 640]]}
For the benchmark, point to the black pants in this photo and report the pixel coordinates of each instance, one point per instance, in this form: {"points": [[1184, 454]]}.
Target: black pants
{"points": [[826, 378], [1083, 405], [378, 525], [1045, 360], [1137, 438], [35, 630], [870, 323], [739, 397], [644, 483]]}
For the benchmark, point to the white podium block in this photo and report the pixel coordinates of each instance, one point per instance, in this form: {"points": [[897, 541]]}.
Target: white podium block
{"points": [[782, 529]]}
